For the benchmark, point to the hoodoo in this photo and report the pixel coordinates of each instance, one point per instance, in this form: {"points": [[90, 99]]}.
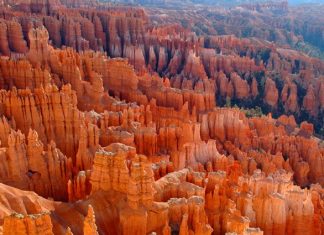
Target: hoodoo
{"points": [[161, 117]]}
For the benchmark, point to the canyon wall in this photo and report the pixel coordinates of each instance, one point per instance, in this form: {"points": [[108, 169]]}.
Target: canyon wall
{"points": [[94, 144]]}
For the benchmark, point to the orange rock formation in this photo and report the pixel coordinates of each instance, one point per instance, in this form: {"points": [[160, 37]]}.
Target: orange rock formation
{"points": [[97, 145]]}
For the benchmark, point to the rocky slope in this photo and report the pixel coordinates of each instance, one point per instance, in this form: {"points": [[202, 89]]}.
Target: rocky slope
{"points": [[245, 72], [95, 144]]}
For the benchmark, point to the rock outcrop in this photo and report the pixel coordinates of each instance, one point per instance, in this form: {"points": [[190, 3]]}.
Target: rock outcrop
{"points": [[31, 224], [94, 144]]}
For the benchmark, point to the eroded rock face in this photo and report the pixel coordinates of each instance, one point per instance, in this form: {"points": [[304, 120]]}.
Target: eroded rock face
{"points": [[251, 67], [38, 44], [15, 37], [37, 170], [31, 224], [89, 226], [271, 93], [107, 146]]}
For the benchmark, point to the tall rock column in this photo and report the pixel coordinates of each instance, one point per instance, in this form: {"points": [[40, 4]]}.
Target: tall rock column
{"points": [[89, 225], [38, 52]]}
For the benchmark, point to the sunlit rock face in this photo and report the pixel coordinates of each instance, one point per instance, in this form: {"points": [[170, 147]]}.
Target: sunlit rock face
{"points": [[112, 122]]}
